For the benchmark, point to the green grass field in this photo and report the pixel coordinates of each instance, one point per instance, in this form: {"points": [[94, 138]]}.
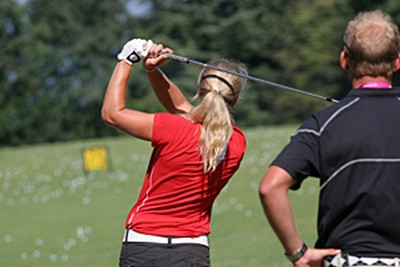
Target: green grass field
{"points": [[53, 214]]}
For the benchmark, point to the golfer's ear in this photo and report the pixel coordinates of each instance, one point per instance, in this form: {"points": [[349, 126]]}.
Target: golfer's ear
{"points": [[343, 60], [234, 102]]}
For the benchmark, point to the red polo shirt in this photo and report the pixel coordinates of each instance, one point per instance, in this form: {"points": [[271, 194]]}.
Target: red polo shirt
{"points": [[177, 196]]}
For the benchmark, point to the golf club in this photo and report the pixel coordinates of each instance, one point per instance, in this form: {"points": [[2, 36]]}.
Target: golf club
{"points": [[252, 78]]}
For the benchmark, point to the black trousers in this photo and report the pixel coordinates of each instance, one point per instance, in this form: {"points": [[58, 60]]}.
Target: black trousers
{"points": [[135, 254]]}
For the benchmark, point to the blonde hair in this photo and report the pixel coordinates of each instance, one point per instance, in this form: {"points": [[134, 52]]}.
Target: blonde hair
{"points": [[217, 93], [372, 43]]}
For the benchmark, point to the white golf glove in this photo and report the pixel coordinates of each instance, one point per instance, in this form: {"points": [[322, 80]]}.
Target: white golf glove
{"points": [[133, 50]]}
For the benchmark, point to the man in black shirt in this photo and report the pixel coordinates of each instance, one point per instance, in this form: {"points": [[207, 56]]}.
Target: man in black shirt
{"points": [[354, 149]]}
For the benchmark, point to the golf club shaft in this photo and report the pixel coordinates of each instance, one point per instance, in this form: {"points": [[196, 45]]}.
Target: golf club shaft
{"points": [[249, 77]]}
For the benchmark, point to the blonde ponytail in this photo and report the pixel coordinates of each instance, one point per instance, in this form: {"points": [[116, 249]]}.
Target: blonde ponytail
{"points": [[217, 93]]}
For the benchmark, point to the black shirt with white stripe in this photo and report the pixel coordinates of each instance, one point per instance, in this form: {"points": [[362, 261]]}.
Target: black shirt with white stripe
{"points": [[354, 149]]}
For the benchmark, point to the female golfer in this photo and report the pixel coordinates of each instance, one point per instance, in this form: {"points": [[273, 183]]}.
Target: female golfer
{"points": [[197, 149]]}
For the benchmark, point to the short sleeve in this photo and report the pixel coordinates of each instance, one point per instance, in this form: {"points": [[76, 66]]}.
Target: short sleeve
{"points": [[300, 158]]}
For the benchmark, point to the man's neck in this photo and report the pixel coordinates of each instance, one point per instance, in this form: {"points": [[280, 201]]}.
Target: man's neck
{"points": [[368, 79]]}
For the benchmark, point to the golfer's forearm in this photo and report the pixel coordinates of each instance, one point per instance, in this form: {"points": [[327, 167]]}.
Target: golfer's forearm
{"points": [[168, 93], [115, 97]]}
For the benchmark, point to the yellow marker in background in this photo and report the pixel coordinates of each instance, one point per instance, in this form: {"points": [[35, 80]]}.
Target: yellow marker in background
{"points": [[95, 158]]}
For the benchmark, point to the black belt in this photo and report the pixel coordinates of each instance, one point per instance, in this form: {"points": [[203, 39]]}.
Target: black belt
{"points": [[346, 260]]}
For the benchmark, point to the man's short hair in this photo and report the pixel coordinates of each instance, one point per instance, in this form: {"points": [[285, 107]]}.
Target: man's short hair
{"points": [[371, 42]]}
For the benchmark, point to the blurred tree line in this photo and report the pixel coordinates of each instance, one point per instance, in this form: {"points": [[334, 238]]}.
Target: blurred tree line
{"points": [[57, 57]]}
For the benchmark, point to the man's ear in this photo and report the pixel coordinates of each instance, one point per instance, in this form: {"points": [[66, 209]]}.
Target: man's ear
{"points": [[343, 60], [397, 63]]}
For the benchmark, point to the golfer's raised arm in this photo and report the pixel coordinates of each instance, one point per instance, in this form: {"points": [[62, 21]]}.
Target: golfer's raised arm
{"points": [[114, 112], [166, 91]]}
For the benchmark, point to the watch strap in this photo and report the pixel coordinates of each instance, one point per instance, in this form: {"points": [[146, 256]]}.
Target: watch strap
{"points": [[297, 255]]}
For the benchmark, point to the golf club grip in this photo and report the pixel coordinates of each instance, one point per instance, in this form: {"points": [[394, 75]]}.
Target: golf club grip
{"points": [[176, 57]]}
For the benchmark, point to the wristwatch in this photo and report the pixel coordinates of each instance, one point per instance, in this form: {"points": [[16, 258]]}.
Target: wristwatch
{"points": [[297, 255]]}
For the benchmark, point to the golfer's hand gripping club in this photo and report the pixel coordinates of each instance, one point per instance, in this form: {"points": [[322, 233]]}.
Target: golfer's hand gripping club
{"points": [[135, 50]]}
